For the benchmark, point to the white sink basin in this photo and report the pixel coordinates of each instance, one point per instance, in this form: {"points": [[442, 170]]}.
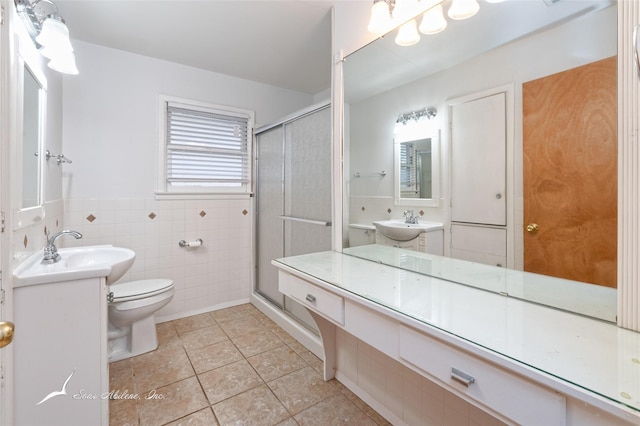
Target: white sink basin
{"points": [[76, 263], [399, 231]]}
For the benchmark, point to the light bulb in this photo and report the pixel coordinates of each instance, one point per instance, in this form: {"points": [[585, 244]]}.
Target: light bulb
{"points": [[54, 33], [463, 9], [64, 63], [433, 21], [380, 17], [408, 34]]}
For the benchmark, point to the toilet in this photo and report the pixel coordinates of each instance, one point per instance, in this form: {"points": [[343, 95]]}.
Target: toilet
{"points": [[360, 235], [132, 328]]}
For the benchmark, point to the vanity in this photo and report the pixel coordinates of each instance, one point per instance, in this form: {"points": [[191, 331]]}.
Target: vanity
{"points": [[60, 351], [521, 362]]}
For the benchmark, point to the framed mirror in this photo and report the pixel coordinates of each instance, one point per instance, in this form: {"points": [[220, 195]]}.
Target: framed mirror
{"points": [[30, 133], [382, 80]]}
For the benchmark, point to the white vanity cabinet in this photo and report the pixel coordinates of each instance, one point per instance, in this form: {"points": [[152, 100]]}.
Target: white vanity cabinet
{"points": [[494, 352], [431, 242], [60, 346]]}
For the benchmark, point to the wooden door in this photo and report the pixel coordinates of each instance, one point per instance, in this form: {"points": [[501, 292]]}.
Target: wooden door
{"points": [[570, 173]]}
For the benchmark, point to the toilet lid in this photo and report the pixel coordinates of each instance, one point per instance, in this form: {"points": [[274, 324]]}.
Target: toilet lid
{"points": [[139, 288]]}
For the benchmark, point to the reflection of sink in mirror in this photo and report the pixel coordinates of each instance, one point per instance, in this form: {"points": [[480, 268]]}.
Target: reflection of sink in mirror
{"points": [[400, 231], [425, 237], [76, 263]]}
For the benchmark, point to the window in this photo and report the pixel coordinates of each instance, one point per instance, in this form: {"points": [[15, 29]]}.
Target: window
{"points": [[205, 148]]}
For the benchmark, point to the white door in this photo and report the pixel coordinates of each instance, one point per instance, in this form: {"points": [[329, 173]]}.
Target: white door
{"points": [[478, 156], [6, 310]]}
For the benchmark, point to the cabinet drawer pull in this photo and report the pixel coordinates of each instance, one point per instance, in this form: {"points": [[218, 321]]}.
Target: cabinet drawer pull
{"points": [[462, 377], [310, 298]]}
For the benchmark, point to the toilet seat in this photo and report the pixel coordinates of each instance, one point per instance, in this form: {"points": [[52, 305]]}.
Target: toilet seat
{"points": [[134, 290]]}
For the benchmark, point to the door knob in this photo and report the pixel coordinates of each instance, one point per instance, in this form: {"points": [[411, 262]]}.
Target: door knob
{"points": [[533, 228], [6, 333]]}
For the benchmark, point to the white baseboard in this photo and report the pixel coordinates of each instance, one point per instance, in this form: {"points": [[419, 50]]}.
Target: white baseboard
{"points": [[171, 317]]}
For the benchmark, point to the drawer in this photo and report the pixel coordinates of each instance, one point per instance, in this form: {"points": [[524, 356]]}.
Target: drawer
{"points": [[325, 303], [512, 396]]}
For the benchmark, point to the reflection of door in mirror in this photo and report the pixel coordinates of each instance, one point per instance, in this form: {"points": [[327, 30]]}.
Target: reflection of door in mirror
{"points": [[570, 173], [31, 134], [479, 225]]}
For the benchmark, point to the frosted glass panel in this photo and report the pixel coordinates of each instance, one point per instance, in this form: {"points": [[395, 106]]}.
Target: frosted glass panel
{"points": [[269, 205], [308, 167]]}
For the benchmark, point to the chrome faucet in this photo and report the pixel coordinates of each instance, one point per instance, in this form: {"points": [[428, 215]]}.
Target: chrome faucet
{"points": [[409, 217], [50, 251]]}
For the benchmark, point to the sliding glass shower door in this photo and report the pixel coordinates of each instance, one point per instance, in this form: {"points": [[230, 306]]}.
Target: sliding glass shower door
{"points": [[293, 198]]}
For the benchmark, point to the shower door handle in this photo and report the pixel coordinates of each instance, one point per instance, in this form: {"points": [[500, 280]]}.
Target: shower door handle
{"points": [[309, 221]]}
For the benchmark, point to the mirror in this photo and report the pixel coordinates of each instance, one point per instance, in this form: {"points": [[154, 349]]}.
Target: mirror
{"points": [[30, 133], [417, 171], [31, 140], [383, 80]]}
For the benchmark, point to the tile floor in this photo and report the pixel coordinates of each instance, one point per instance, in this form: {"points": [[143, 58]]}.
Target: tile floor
{"points": [[230, 367]]}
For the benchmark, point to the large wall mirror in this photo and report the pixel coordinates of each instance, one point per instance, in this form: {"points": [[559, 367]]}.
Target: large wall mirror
{"points": [[30, 133], [508, 44]]}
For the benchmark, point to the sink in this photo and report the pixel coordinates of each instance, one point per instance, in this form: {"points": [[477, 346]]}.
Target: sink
{"points": [[399, 231], [120, 259], [76, 263]]}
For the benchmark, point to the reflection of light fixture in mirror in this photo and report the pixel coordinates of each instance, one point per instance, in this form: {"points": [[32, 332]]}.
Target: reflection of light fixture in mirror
{"points": [[424, 113], [433, 21], [64, 63], [408, 34], [463, 9], [48, 29]]}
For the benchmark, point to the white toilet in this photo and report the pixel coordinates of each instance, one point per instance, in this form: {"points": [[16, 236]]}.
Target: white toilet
{"points": [[132, 328], [360, 235]]}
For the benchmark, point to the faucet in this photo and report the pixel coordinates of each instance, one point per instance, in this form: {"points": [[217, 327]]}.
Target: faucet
{"points": [[409, 217], [50, 251]]}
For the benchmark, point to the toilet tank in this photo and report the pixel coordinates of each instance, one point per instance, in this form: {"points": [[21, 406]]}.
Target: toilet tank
{"points": [[360, 235]]}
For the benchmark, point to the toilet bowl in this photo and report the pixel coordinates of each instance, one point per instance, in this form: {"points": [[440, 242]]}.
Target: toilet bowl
{"points": [[132, 328]]}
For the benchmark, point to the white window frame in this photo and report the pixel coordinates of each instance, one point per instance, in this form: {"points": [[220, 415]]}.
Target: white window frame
{"points": [[164, 190]]}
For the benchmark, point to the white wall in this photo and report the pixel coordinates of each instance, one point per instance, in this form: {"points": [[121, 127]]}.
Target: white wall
{"points": [[110, 129]]}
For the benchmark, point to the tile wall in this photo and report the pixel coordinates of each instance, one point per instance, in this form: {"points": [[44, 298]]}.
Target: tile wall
{"points": [[215, 275], [32, 238]]}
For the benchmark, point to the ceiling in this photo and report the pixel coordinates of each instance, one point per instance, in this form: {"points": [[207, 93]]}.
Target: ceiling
{"points": [[284, 43]]}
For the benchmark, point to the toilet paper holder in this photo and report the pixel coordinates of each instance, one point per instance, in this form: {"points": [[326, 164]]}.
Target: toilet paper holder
{"points": [[195, 243]]}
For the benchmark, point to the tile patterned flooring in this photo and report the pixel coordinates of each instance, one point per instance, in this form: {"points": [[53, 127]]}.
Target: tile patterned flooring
{"points": [[230, 367]]}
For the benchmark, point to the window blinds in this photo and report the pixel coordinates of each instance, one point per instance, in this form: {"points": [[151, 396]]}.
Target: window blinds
{"points": [[408, 170], [207, 149]]}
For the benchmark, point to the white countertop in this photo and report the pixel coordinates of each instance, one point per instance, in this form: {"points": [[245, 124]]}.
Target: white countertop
{"points": [[592, 354]]}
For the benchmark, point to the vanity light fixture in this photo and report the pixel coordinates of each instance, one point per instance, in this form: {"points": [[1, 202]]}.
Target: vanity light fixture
{"points": [[384, 13], [48, 30]]}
